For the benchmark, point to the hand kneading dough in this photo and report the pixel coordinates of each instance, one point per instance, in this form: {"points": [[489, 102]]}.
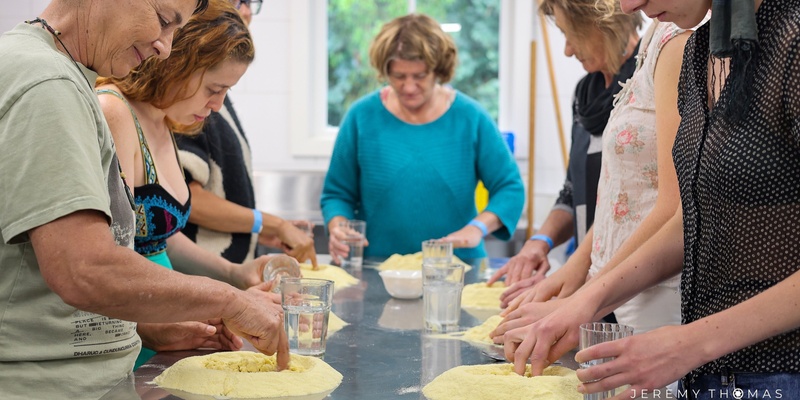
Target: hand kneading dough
{"points": [[249, 375], [341, 279], [500, 382], [412, 262]]}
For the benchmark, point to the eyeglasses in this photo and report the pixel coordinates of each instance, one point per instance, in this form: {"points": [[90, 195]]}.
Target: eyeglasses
{"points": [[254, 5]]}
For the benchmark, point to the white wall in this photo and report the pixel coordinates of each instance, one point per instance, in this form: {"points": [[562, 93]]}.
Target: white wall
{"points": [[262, 98]]}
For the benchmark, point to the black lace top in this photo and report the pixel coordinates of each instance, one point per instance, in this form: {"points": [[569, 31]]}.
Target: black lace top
{"points": [[740, 187]]}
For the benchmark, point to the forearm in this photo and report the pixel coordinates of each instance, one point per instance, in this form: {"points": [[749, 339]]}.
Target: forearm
{"points": [[491, 220], [82, 264], [660, 215], [770, 313], [189, 258], [578, 264], [213, 212], [658, 259], [558, 226]]}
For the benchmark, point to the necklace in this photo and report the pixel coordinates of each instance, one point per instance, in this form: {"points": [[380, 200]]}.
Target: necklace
{"points": [[56, 35]]}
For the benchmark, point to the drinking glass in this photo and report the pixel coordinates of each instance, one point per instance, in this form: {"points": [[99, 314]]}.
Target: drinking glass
{"points": [[306, 308], [599, 332], [437, 252], [355, 231], [441, 295]]}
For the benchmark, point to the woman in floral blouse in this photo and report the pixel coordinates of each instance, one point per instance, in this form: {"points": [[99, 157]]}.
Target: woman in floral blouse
{"points": [[637, 191]]}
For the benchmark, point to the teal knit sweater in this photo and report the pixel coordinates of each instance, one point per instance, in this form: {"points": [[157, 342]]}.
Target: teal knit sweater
{"points": [[417, 182]]}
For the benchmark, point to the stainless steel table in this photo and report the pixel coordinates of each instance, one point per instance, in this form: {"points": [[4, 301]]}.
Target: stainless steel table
{"points": [[383, 353]]}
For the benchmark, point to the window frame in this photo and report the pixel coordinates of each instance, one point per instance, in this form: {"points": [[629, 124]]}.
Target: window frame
{"points": [[308, 60]]}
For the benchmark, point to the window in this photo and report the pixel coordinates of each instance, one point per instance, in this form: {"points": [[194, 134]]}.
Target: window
{"points": [[474, 25], [330, 65]]}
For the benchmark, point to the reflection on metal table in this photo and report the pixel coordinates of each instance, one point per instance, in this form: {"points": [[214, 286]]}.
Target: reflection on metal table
{"points": [[383, 353]]}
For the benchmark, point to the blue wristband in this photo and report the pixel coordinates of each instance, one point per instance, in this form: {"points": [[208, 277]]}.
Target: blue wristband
{"points": [[543, 238], [257, 220], [480, 225]]}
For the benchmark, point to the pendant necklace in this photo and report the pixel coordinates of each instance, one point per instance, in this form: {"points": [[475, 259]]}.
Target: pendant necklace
{"points": [[56, 35]]}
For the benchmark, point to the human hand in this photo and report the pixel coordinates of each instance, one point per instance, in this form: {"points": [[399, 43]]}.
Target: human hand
{"points": [[530, 262], [250, 273], [258, 318], [188, 335], [269, 240], [644, 361], [547, 339], [561, 284], [468, 236], [337, 247], [304, 225], [522, 316], [518, 291], [297, 243]]}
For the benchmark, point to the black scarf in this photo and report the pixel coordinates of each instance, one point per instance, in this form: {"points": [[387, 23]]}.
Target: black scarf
{"points": [[734, 34], [594, 101]]}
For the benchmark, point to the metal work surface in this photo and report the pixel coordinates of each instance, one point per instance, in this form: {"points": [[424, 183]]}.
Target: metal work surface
{"points": [[383, 353]]}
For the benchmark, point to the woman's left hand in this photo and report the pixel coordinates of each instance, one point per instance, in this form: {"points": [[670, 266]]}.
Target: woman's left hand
{"points": [[525, 315], [188, 335], [250, 273], [468, 236], [645, 361]]}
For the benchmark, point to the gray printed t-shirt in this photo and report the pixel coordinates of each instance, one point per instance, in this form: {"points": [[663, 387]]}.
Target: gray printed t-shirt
{"points": [[56, 157]]}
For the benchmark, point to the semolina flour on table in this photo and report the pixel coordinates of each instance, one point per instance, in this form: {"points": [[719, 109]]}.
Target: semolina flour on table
{"points": [[500, 382], [341, 279], [245, 374], [411, 262]]}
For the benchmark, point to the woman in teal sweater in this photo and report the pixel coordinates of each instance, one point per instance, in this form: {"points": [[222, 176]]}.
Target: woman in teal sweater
{"points": [[408, 157]]}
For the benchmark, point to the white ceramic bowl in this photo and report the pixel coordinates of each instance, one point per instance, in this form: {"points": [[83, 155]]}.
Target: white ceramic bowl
{"points": [[402, 284]]}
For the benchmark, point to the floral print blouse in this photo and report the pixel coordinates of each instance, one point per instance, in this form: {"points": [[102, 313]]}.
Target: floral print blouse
{"points": [[629, 174]]}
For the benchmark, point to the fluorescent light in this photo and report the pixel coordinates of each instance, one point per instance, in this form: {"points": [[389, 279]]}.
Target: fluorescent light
{"points": [[451, 27]]}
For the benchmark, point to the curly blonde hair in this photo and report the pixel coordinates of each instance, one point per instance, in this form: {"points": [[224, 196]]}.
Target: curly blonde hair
{"points": [[207, 40], [605, 15], [414, 37]]}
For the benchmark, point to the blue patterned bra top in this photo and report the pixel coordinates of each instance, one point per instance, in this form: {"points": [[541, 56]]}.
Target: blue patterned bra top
{"points": [[158, 214]]}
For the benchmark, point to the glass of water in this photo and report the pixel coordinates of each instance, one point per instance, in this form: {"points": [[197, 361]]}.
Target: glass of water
{"points": [[306, 307], [437, 252], [355, 231], [599, 332], [441, 295]]}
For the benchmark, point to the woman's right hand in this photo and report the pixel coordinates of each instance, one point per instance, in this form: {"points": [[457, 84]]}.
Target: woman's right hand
{"points": [[337, 247], [297, 243], [550, 337], [530, 265], [257, 318], [562, 283], [524, 315], [294, 242]]}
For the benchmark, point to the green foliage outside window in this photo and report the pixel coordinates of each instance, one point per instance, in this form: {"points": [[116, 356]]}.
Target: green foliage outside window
{"points": [[353, 23]]}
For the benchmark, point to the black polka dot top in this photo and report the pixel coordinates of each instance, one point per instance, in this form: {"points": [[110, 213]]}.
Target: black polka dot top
{"points": [[740, 188]]}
